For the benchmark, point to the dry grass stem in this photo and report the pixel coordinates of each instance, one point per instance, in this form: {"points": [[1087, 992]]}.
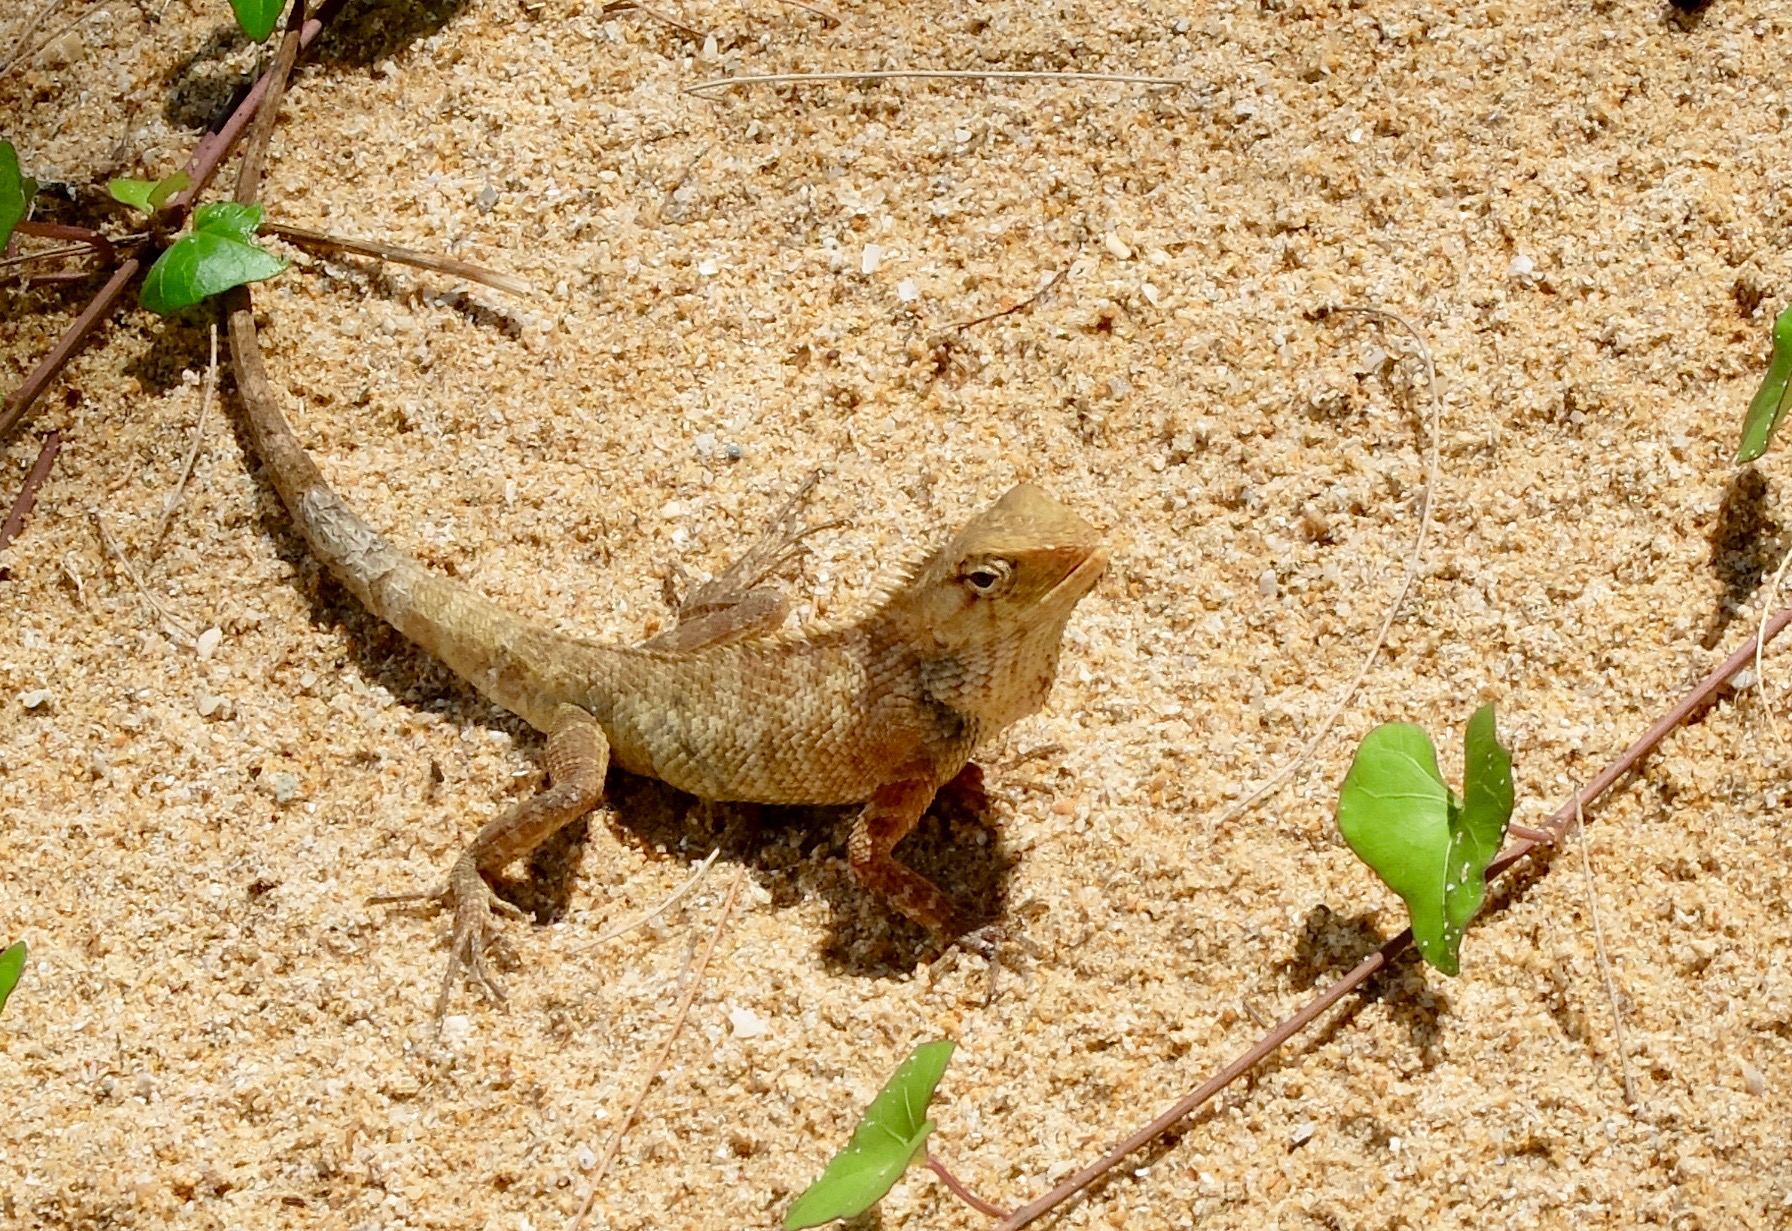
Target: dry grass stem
{"points": [[624, 6], [177, 629], [810, 8], [1045, 288], [1413, 560], [1773, 596], [926, 74], [665, 1051], [20, 53], [695, 879], [404, 256], [1605, 966], [186, 467]]}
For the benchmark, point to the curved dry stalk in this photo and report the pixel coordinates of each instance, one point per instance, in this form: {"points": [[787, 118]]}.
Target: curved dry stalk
{"points": [[671, 900], [927, 74], [1556, 828], [1413, 560]]}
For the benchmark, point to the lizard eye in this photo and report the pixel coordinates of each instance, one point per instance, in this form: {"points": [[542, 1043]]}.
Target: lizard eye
{"points": [[987, 577]]}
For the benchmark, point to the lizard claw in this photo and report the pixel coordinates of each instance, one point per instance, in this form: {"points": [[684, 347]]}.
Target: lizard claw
{"points": [[476, 933]]}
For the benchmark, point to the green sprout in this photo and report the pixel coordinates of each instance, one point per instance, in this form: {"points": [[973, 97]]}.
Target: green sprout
{"points": [[892, 1134], [16, 191], [1774, 397], [1430, 847], [217, 254], [12, 965], [147, 195], [257, 18]]}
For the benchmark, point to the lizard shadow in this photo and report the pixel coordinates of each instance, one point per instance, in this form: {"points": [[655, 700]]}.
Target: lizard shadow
{"points": [[800, 852]]}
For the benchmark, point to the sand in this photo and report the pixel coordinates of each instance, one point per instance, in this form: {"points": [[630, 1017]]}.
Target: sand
{"points": [[1585, 209]]}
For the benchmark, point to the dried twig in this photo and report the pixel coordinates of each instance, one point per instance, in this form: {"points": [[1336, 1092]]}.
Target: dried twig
{"points": [[1413, 560], [1557, 825], [925, 74], [1050, 285], [186, 468], [1605, 966], [695, 879], [405, 256], [27, 497], [665, 1052]]}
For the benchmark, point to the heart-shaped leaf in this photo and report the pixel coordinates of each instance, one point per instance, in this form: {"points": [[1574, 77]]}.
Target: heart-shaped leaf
{"points": [[893, 1131], [12, 965], [147, 195], [1431, 848], [217, 254], [16, 191], [257, 18], [1774, 397]]}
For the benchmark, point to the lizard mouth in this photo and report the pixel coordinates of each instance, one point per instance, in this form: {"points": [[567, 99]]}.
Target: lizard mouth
{"points": [[1082, 578]]}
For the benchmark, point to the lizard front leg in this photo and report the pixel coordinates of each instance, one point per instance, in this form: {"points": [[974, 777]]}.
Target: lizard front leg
{"points": [[886, 819], [578, 754]]}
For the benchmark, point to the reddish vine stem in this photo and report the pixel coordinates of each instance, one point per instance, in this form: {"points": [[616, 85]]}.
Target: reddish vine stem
{"points": [[960, 1191], [210, 151], [21, 507], [1557, 827]]}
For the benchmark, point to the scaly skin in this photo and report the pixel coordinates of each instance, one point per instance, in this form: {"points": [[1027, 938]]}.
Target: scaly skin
{"points": [[881, 712]]}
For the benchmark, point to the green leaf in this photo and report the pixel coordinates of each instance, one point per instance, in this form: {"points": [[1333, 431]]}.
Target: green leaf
{"points": [[889, 1137], [1774, 397], [1431, 848], [257, 17], [167, 186], [227, 218], [1394, 810], [12, 965], [1481, 829], [16, 191], [146, 195], [217, 254], [134, 193]]}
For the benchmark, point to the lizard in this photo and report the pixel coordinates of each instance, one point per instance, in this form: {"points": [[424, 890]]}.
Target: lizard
{"points": [[880, 712]]}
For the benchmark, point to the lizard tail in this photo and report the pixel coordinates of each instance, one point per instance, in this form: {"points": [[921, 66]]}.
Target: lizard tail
{"points": [[507, 659]]}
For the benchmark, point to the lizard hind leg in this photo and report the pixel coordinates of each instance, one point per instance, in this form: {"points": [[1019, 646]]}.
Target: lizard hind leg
{"points": [[577, 757]]}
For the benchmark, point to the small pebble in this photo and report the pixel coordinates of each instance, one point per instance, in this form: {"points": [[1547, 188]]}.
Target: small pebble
{"points": [[746, 1024], [869, 258], [1117, 246], [207, 644], [36, 699]]}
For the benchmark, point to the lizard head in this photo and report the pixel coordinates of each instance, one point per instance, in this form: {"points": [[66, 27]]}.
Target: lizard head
{"points": [[985, 614]]}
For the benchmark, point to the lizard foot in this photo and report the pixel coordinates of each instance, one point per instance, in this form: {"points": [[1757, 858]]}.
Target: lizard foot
{"points": [[476, 933]]}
